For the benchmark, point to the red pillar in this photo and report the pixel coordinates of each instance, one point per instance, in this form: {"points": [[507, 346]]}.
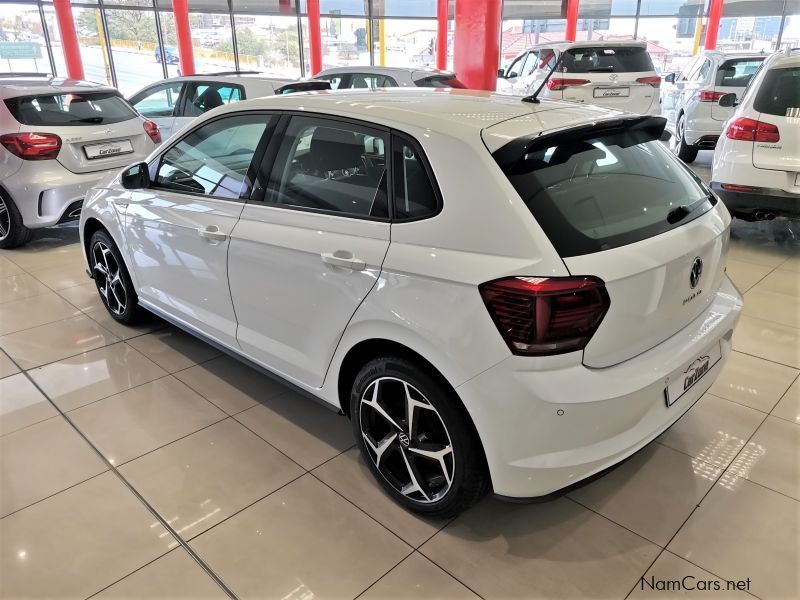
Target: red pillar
{"points": [[712, 28], [477, 42], [572, 20], [441, 34], [184, 32], [69, 39], [314, 36]]}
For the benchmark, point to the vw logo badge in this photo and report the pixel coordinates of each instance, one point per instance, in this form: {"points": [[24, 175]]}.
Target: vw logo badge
{"points": [[404, 439], [696, 272]]}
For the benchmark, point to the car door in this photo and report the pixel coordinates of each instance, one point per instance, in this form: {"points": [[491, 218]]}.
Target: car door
{"points": [[509, 81], [309, 245], [177, 231], [671, 94], [203, 96], [158, 103]]}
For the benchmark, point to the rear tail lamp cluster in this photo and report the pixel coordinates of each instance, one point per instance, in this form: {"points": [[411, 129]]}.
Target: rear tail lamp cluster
{"points": [[655, 81], [710, 95], [750, 130], [540, 316], [32, 146], [559, 83], [151, 129]]}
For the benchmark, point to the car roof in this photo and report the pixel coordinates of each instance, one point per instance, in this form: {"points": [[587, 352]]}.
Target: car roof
{"points": [[229, 77], [13, 86], [387, 70], [592, 44], [781, 60], [724, 54]]}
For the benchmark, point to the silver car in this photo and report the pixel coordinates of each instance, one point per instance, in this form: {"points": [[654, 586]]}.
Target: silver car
{"points": [[364, 77], [58, 138]]}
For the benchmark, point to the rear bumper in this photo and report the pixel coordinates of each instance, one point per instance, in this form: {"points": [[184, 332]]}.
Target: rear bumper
{"points": [[543, 430], [746, 203]]}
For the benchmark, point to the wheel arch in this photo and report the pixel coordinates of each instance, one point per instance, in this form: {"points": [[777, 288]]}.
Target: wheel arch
{"points": [[91, 226]]}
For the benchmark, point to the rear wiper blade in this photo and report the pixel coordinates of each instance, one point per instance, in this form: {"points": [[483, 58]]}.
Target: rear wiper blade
{"points": [[607, 69], [684, 210], [87, 120]]}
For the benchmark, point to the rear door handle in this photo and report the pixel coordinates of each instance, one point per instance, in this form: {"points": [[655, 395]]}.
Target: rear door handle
{"points": [[343, 259], [212, 232]]}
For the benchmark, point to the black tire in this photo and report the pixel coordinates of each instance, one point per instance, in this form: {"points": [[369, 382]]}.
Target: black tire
{"points": [[113, 280], [681, 149], [13, 232], [445, 487]]}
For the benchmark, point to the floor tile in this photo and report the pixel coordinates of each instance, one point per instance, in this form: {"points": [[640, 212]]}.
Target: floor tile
{"points": [[652, 493], [789, 406], [556, 549], [31, 312], [7, 366], [302, 541], [744, 274], [348, 475], [772, 306], [21, 404], [40, 460], [127, 425], [9, 268], [170, 577], [32, 259], [745, 531], [753, 381], [792, 264], [77, 542], [54, 341], [417, 577], [208, 476], [20, 286], [63, 276], [767, 339], [773, 457], [306, 432], [713, 430], [85, 296], [87, 377], [743, 251], [173, 349], [126, 332], [672, 577], [230, 384], [782, 281]]}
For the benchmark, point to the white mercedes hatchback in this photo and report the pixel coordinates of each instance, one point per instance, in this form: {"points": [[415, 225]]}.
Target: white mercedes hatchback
{"points": [[497, 293]]}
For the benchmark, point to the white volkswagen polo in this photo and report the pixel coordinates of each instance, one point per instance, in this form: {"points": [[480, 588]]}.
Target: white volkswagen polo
{"points": [[499, 294]]}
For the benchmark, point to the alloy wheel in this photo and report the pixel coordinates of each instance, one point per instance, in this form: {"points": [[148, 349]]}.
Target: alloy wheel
{"points": [[5, 219], [108, 278], [407, 440], [678, 137]]}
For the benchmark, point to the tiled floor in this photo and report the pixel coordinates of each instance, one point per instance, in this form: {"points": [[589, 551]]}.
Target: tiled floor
{"points": [[107, 434]]}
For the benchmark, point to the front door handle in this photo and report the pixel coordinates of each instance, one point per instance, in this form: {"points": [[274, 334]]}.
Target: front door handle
{"points": [[212, 232], [344, 259]]}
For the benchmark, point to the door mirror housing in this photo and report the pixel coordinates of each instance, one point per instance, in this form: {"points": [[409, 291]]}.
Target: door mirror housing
{"points": [[669, 78], [728, 101], [136, 177], [501, 73]]}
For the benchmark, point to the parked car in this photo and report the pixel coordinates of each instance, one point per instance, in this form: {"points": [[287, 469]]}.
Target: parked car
{"points": [[497, 293], [57, 139], [616, 75], [689, 98], [174, 102], [756, 168], [362, 77], [169, 55]]}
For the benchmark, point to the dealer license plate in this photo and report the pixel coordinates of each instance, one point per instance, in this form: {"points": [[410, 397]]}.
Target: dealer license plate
{"points": [[683, 380], [618, 92], [108, 149]]}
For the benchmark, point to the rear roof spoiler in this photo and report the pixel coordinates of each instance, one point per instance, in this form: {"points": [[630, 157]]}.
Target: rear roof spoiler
{"points": [[640, 128], [310, 85]]}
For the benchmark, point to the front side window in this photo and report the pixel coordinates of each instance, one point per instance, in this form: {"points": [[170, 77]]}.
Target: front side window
{"points": [[703, 71], [515, 68], [214, 159], [158, 102], [779, 93], [414, 195], [738, 72], [77, 109], [334, 80], [331, 166], [203, 97], [605, 59]]}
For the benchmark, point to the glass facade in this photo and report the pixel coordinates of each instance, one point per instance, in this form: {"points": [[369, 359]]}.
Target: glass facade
{"points": [[131, 43]]}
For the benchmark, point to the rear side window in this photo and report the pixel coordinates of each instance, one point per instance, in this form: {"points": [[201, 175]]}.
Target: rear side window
{"points": [[592, 191], [737, 73], [414, 194], [203, 97], [438, 81], [619, 59], [779, 93], [89, 108], [366, 80]]}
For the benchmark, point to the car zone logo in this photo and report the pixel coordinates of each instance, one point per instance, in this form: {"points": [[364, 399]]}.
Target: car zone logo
{"points": [[695, 371]]}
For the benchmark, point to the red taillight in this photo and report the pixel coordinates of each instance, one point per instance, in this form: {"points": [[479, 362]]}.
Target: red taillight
{"points": [[32, 146], [151, 129], [559, 83], [541, 315], [710, 96], [750, 130], [655, 81], [736, 188]]}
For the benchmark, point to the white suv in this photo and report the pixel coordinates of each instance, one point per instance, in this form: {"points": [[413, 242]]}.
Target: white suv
{"points": [[57, 139], [689, 98], [496, 292], [756, 167], [609, 74]]}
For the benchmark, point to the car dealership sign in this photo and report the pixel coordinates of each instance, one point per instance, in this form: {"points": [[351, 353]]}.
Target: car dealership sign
{"points": [[25, 50]]}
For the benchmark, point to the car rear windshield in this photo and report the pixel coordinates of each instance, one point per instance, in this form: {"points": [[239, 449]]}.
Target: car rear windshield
{"points": [[85, 108], [438, 81], [737, 72], [619, 59], [779, 93], [591, 190]]}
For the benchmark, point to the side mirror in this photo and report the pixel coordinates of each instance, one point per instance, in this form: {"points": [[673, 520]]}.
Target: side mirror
{"points": [[728, 101], [136, 177], [669, 77], [501, 73]]}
